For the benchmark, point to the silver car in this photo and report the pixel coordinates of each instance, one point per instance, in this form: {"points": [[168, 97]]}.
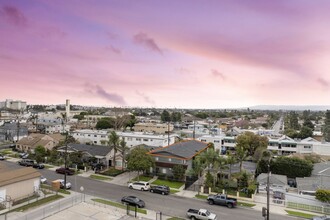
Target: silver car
{"points": [[325, 217]]}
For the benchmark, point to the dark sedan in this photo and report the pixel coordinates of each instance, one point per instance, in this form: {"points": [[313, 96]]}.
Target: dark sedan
{"points": [[164, 190], [63, 170], [133, 201], [38, 166]]}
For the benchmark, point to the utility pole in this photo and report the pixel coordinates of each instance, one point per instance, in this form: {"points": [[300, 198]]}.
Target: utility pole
{"points": [[168, 133], [194, 131], [268, 174], [18, 127]]}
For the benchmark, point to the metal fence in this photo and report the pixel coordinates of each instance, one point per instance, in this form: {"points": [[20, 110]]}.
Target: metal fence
{"points": [[45, 211], [311, 208]]}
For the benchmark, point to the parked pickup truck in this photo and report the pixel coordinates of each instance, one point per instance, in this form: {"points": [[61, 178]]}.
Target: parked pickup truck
{"points": [[222, 199], [201, 214]]}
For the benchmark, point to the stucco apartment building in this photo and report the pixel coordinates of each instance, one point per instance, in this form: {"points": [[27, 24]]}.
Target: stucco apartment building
{"points": [[18, 183], [153, 127]]}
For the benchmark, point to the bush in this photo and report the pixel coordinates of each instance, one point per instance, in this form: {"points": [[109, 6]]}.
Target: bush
{"points": [[112, 172], [323, 195]]}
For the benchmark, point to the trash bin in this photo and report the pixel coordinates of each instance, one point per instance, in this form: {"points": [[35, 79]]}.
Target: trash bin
{"points": [[56, 185]]}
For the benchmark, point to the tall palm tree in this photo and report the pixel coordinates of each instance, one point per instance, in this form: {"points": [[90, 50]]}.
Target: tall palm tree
{"points": [[241, 155], [230, 161], [114, 142], [123, 149]]}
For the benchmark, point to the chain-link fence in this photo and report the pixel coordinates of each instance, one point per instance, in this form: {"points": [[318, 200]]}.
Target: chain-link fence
{"points": [[46, 210]]}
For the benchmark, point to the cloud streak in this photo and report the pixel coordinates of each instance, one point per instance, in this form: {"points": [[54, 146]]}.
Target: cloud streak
{"points": [[149, 43], [217, 74], [147, 99], [102, 93]]}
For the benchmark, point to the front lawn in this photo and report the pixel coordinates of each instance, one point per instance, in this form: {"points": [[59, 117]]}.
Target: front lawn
{"points": [[172, 191], [299, 214], [98, 177], [119, 205], [37, 203], [142, 178], [171, 184], [200, 196], [245, 204]]}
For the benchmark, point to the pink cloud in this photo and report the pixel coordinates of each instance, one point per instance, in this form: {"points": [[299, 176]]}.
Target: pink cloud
{"points": [[323, 82], [146, 41], [147, 99], [99, 91]]}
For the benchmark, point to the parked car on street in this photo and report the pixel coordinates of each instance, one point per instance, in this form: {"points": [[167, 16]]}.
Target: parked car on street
{"points": [[63, 170], [222, 199], [133, 201], [325, 217], [2, 157], [164, 190], [140, 185], [202, 214], [68, 184], [38, 166], [43, 180], [26, 162]]}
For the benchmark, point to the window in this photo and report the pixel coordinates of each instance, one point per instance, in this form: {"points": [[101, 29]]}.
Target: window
{"points": [[307, 147], [216, 141], [203, 140], [138, 139], [169, 159], [145, 139], [163, 170], [95, 135]]}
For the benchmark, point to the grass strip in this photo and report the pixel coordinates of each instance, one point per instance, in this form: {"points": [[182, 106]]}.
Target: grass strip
{"points": [[97, 177], [172, 191], [44, 186], [299, 214], [200, 196], [245, 204], [37, 203], [175, 218], [48, 166], [171, 184], [119, 205]]}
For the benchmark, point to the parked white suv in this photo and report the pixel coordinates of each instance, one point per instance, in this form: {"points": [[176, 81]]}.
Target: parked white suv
{"points": [[140, 185]]}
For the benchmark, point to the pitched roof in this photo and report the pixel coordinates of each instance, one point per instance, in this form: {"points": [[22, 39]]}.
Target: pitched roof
{"points": [[273, 179], [313, 183], [185, 149], [94, 150], [34, 140], [9, 176]]}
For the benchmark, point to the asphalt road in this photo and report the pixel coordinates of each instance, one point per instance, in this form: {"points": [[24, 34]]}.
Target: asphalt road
{"points": [[171, 205]]}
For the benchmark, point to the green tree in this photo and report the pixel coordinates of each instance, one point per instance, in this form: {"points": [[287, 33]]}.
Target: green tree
{"points": [[209, 179], [40, 153], [176, 117], [165, 116], [240, 155], [131, 122], [123, 150], [305, 132], [178, 172], [326, 127], [323, 195], [251, 142], [114, 142], [230, 161], [308, 123], [105, 123], [138, 160]]}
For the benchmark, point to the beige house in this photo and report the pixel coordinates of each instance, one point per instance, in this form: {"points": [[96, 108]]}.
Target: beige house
{"points": [[16, 184], [33, 140], [154, 128]]}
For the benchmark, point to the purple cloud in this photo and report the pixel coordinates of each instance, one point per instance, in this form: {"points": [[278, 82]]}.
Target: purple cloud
{"points": [[13, 16], [143, 39], [146, 98], [113, 49], [218, 74], [99, 91], [323, 82]]}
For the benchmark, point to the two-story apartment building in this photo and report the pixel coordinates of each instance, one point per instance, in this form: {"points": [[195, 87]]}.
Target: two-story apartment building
{"points": [[137, 138], [182, 153], [94, 137], [221, 142]]}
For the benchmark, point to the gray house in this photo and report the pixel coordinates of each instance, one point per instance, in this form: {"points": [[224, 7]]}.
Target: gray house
{"points": [[182, 153], [276, 182], [10, 131]]}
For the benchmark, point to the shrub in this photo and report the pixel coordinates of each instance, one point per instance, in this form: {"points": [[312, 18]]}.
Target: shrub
{"points": [[112, 172]]}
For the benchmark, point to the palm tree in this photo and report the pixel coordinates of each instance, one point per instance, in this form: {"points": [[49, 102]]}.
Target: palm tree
{"points": [[198, 168], [114, 142], [123, 149], [241, 155], [230, 160]]}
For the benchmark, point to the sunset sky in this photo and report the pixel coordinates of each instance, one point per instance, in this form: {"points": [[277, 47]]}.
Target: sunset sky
{"points": [[175, 54]]}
